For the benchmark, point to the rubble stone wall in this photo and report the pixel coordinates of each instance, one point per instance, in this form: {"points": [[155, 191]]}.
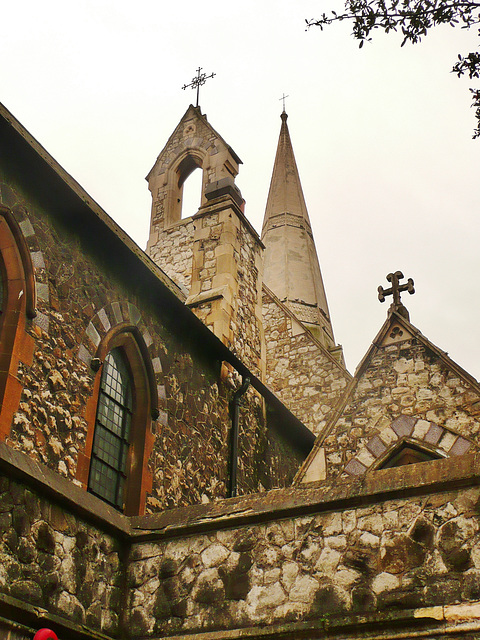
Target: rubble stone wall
{"points": [[171, 248], [78, 300], [306, 378], [404, 379], [284, 458], [54, 560], [398, 554], [404, 545]]}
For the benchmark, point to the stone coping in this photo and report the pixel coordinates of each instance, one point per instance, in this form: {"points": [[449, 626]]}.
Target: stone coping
{"points": [[387, 484], [456, 620], [28, 619], [406, 624], [19, 466], [410, 480]]}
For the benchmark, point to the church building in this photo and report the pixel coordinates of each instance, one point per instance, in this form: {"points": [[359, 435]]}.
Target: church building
{"points": [[183, 453]]}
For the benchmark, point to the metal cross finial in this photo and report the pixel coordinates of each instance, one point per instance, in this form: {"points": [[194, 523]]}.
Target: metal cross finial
{"points": [[283, 98], [395, 291], [197, 82]]}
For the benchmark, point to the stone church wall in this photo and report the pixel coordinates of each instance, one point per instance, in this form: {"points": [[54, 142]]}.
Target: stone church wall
{"points": [[369, 556], [78, 298], [284, 460], [305, 377], [404, 379], [172, 250], [353, 559], [247, 321], [56, 561]]}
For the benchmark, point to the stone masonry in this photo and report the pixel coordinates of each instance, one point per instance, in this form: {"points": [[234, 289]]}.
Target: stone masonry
{"points": [[78, 301], [405, 390], [403, 545], [307, 378], [397, 554]]}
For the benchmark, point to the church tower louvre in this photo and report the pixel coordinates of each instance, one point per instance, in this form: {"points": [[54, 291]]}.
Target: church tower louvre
{"points": [[291, 267]]}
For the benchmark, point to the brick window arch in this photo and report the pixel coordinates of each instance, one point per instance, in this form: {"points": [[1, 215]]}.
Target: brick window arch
{"points": [[114, 466], [17, 305], [2, 284]]}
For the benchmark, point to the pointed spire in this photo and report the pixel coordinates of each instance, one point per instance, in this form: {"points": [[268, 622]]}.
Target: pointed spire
{"points": [[291, 268]]}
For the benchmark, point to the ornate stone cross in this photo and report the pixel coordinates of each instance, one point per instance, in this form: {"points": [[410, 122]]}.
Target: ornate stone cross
{"points": [[395, 291], [197, 82]]}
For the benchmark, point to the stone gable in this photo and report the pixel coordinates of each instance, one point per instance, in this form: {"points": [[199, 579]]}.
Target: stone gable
{"points": [[405, 389]]}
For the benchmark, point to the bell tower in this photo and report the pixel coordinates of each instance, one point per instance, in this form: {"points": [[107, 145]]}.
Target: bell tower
{"points": [[215, 253]]}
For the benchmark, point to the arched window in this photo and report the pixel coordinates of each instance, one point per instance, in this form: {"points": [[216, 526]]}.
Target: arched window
{"points": [[408, 453], [114, 465], [192, 193], [111, 439]]}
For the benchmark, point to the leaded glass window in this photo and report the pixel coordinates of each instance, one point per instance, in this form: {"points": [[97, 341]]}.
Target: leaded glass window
{"points": [[112, 431]]}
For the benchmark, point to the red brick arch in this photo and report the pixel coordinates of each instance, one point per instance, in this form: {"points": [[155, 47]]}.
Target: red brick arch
{"points": [[426, 436], [16, 345], [119, 324]]}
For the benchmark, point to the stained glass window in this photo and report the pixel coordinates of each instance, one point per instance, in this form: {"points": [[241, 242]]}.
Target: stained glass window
{"points": [[112, 431]]}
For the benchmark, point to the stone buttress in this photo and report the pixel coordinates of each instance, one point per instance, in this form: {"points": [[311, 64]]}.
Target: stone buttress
{"points": [[216, 255]]}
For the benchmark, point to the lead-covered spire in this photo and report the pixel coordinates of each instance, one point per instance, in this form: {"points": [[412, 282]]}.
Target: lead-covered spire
{"points": [[291, 268]]}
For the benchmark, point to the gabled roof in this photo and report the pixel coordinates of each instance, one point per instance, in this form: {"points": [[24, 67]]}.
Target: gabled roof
{"points": [[405, 390], [195, 114]]}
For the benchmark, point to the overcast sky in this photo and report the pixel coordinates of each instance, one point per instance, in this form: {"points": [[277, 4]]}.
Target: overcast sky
{"points": [[382, 135]]}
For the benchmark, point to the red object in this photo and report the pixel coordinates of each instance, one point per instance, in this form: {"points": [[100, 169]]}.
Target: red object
{"points": [[45, 634]]}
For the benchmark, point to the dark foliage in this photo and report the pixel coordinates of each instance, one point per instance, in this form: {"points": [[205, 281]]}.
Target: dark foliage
{"points": [[413, 19]]}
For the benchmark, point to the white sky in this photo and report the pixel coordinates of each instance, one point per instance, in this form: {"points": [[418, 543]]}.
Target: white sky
{"points": [[382, 135]]}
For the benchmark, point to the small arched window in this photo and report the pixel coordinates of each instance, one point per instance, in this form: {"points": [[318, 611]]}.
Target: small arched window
{"points": [[408, 453], [191, 193], [111, 440]]}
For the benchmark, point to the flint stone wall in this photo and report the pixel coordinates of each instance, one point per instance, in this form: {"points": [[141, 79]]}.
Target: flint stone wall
{"points": [[403, 544], [172, 250], [189, 458], [56, 561]]}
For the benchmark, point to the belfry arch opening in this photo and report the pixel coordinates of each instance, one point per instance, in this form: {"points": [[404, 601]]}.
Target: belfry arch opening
{"points": [[190, 186]]}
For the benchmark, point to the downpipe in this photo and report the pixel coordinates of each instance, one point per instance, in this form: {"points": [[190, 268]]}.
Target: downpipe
{"points": [[234, 409]]}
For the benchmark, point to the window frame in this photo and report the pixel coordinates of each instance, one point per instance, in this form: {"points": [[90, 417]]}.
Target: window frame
{"points": [[128, 340], [112, 427]]}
